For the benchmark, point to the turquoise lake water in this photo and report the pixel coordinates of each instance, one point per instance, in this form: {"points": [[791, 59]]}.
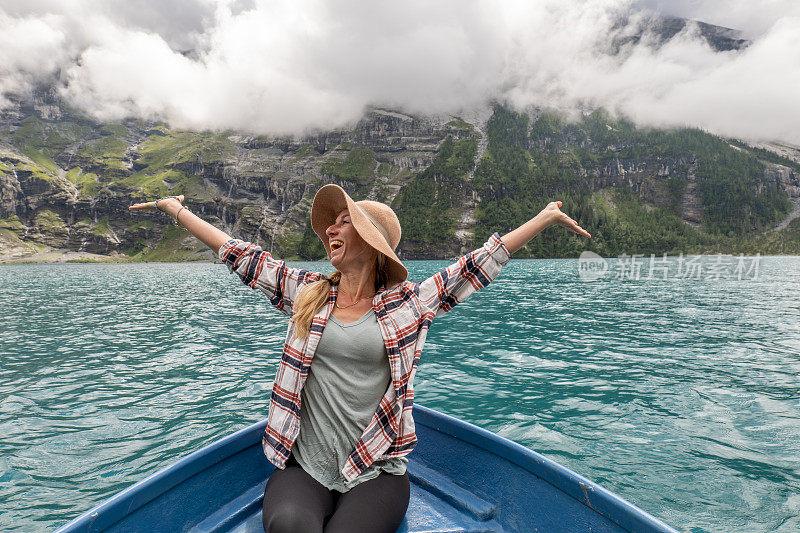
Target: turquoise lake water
{"points": [[682, 395]]}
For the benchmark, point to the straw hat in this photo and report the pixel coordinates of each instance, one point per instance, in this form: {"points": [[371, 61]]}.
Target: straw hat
{"points": [[374, 222]]}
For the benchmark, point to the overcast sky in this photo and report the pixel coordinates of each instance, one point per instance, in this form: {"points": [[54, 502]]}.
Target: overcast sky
{"points": [[284, 66]]}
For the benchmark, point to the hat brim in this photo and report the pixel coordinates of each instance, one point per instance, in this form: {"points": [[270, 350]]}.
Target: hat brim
{"points": [[331, 200]]}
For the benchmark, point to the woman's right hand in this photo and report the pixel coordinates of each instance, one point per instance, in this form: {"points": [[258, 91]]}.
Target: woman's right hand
{"points": [[168, 204], [208, 234]]}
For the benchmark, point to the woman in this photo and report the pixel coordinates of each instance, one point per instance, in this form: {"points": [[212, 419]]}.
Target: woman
{"points": [[338, 432]]}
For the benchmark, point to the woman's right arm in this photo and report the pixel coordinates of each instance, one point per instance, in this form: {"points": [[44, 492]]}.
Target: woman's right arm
{"points": [[212, 237], [259, 270], [256, 268]]}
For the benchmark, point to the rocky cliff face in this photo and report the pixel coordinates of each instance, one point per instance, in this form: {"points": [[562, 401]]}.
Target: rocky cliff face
{"points": [[66, 181]]}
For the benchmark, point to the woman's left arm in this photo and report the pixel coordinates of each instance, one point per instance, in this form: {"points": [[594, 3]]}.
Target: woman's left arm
{"points": [[552, 214], [452, 285]]}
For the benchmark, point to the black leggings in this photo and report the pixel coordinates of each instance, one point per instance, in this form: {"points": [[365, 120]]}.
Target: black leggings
{"points": [[295, 502]]}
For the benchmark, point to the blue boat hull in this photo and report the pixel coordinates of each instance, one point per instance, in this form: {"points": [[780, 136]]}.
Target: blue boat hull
{"points": [[463, 479]]}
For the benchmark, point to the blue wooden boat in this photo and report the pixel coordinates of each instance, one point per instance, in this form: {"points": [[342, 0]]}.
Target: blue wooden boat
{"points": [[463, 479]]}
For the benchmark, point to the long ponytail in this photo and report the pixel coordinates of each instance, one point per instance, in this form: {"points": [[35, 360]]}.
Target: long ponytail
{"points": [[313, 297]]}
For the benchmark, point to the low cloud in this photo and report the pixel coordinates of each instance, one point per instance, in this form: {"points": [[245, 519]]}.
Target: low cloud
{"points": [[283, 67], [753, 18]]}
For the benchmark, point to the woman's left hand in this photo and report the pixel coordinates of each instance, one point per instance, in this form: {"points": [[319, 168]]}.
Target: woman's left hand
{"points": [[552, 214]]}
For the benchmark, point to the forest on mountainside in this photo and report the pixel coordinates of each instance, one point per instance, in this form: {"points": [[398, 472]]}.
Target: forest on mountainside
{"points": [[531, 162]]}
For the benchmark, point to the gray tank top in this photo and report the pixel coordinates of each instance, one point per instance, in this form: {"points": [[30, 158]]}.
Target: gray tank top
{"points": [[349, 376]]}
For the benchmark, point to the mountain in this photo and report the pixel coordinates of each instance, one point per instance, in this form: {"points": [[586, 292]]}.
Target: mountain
{"points": [[658, 31], [66, 182]]}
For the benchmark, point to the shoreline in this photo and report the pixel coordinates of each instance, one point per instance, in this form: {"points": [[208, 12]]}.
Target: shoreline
{"points": [[54, 256], [63, 257]]}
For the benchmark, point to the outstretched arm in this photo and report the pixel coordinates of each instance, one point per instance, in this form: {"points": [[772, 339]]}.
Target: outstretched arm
{"points": [[208, 234], [447, 288], [517, 238], [256, 267]]}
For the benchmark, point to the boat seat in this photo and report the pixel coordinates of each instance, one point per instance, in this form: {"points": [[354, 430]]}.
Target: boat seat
{"points": [[437, 505]]}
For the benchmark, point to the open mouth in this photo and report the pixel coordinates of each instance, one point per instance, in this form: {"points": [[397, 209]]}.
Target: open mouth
{"points": [[335, 245]]}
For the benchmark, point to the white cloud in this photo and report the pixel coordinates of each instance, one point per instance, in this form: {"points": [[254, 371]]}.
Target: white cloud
{"points": [[30, 50], [283, 67], [752, 17]]}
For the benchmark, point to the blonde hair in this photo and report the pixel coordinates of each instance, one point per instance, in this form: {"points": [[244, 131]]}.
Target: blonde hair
{"points": [[314, 295]]}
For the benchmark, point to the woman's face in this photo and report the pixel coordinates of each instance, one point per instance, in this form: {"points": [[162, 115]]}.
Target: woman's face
{"points": [[348, 250]]}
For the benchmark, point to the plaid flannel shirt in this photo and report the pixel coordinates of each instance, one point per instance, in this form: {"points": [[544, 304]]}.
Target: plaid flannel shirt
{"points": [[404, 313]]}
